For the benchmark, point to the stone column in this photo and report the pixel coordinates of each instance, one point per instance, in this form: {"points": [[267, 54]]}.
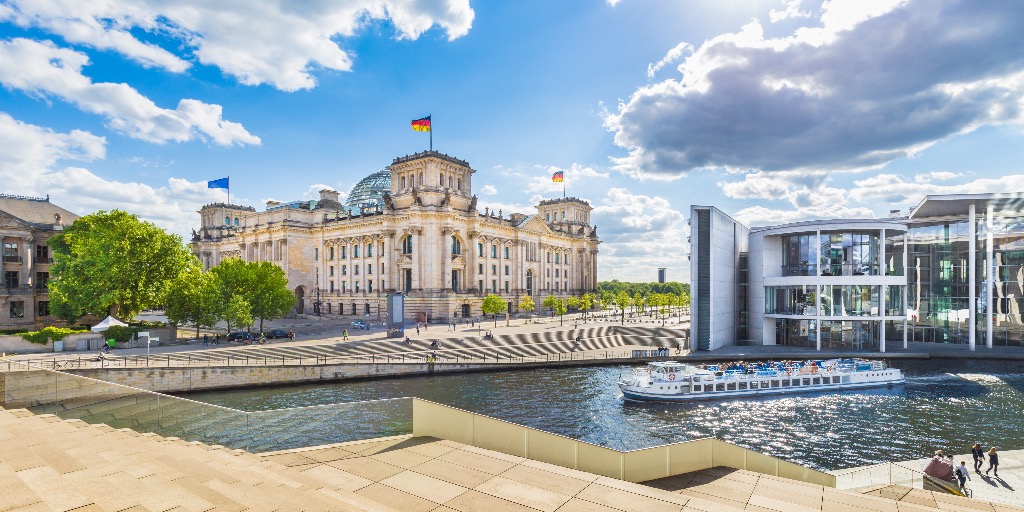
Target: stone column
{"points": [[446, 258], [906, 280], [388, 268]]}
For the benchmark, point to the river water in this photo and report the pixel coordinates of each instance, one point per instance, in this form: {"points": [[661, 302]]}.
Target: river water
{"points": [[947, 405]]}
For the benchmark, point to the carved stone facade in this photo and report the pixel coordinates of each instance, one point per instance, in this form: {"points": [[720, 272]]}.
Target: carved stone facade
{"points": [[26, 223], [426, 240]]}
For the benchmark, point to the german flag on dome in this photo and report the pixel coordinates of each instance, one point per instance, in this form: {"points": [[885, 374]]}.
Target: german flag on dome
{"points": [[558, 177], [422, 124]]}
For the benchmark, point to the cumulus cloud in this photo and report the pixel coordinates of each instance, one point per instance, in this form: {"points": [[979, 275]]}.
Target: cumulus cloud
{"points": [[904, 191], [870, 82], [810, 194], [573, 175], [272, 42], [640, 233], [792, 10], [670, 57], [488, 190], [41, 68], [30, 165]]}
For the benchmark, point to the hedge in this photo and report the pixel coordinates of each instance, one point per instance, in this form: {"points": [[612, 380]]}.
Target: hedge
{"points": [[49, 333]]}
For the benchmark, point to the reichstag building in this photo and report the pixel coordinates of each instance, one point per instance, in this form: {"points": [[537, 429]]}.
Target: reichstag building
{"points": [[413, 228]]}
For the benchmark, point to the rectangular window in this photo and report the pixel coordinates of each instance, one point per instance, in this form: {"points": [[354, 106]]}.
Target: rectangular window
{"points": [[494, 270], [43, 254], [549, 257], [480, 250], [11, 279], [343, 251], [369, 286], [343, 286], [480, 285], [357, 290], [43, 308], [41, 279], [355, 270], [330, 253], [480, 268], [316, 254], [494, 286], [18, 309], [494, 251], [11, 253], [369, 268], [355, 251], [506, 286], [369, 250], [506, 252], [332, 291], [506, 270], [344, 270], [556, 258], [557, 274], [330, 270]]}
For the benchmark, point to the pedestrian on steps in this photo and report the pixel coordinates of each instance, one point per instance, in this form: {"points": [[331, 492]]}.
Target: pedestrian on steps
{"points": [[979, 456], [993, 462]]}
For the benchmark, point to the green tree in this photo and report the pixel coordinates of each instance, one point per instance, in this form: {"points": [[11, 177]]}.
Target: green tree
{"points": [[194, 296], [493, 305], [113, 263], [587, 302], [623, 301], [237, 312], [560, 309], [550, 301], [527, 304], [263, 284]]}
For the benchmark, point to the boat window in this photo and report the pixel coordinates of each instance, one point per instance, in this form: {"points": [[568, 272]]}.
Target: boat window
{"points": [[807, 382], [816, 381], [731, 386], [776, 384], [835, 380], [743, 385], [698, 388], [719, 387]]}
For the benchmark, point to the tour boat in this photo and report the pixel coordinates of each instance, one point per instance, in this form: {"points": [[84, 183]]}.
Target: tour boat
{"points": [[674, 381]]}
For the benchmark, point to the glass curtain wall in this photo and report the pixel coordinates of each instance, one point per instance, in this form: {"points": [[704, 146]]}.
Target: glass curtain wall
{"points": [[790, 300], [850, 300], [937, 282], [796, 333], [798, 255], [1008, 284], [849, 254]]}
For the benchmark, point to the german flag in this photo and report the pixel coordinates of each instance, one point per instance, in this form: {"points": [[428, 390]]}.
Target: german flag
{"points": [[558, 177], [422, 124]]}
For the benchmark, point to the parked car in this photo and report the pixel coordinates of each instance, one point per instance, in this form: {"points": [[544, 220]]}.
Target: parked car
{"points": [[241, 336], [360, 324], [277, 334]]}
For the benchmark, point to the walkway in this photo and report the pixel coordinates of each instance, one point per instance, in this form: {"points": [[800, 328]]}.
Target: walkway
{"points": [[1007, 488], [51, 464]]}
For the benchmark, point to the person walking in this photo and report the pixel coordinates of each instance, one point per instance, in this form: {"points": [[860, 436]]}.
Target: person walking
{"points": [[993, 462], [206, 339], [979, 456], [344, 334], [417, 328], [962, 475]]}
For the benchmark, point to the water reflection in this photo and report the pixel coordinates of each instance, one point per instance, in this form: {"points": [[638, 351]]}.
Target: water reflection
{"points": [[934, 409]]}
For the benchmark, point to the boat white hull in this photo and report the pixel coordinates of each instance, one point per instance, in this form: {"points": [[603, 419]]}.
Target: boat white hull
{"points": [[644, 393]]}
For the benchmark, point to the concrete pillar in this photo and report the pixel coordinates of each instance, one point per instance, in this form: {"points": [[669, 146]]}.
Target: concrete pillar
{"points": [[972, 277], [906, 270], [989, 275]]}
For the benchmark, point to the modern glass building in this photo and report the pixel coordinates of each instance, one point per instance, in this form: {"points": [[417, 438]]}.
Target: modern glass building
{"points": [[863, 283]]}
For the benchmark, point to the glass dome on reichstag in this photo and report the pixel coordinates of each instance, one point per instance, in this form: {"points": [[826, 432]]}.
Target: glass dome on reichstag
{"points": [[369, 192]]}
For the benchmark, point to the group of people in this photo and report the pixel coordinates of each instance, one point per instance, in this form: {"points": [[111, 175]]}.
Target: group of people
{"points": [[961, 473], [206, 340]]}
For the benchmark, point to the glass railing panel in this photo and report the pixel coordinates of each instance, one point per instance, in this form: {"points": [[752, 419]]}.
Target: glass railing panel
{"points": [[283, 429]]}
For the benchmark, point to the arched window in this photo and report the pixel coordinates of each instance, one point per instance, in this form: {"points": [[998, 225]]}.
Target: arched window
{"points": [[442, 180], [407, 244], [459, 183], [449, 182], [456, 245], [227, 221], [563, 214], [421, 177], [236, 222], [403, 181], [547, 217]]}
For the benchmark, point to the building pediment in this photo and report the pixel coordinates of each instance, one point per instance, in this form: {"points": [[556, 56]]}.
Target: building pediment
{"points": [[11, 222], [535, 224]]}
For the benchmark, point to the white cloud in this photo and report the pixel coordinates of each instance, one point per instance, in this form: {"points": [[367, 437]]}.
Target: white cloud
{"points": [[267, 42], [573, 176], [901, 191], [640, 233], [762, 216], [670, 57], [792, 10], [40, 68], [29, 165], [488, 190], [870, 83]]}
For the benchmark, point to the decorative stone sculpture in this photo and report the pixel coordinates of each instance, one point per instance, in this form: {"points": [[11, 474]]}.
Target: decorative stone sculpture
{"points": [[416, 198], [388, 202], [472, 205], [447, 200]]}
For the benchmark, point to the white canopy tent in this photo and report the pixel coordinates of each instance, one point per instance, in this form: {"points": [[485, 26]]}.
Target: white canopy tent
{"points": [[107, 323]]}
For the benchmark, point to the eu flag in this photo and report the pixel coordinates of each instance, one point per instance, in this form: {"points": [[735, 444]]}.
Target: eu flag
{"points": [[221, 183]]}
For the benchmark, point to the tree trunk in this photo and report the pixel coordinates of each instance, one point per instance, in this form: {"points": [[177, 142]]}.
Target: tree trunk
{"points": [[261, 325]]}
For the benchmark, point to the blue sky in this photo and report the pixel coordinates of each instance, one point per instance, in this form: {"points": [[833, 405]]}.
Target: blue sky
{"points": [[774, 111]]}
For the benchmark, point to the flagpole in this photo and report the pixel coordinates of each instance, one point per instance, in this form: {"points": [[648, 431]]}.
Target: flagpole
{"points": [[431, 131], [229, 189]]}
